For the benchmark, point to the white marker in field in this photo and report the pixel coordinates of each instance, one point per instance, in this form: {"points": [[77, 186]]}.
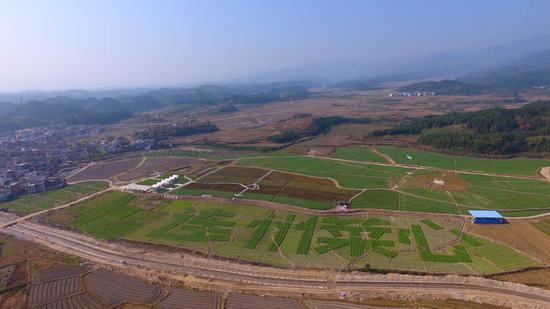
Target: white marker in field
{"points": [[409, 157]]}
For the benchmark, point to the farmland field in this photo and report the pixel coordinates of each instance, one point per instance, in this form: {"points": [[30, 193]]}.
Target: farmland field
{"points": [[349, 175], [262, 184], [357, 154], [397, 188], [104, 170], [39, 201], [518, 166], [285, 239]]}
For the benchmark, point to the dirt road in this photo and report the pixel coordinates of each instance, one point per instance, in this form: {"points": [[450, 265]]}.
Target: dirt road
{"points": [[260, 278]]}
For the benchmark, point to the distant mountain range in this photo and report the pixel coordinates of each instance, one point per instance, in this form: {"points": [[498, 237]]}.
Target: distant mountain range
{"points": [[512, 77], [450, 64], [71, 111]]}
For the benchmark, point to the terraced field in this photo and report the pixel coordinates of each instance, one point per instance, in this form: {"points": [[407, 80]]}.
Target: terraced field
{"points": [[286, 239], [36, 202]]}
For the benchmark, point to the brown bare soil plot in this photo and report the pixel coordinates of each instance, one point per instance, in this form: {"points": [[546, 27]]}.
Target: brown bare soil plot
{"points": [[60, 286], [158, 164], [535, 277], [244, 175], [80, 301], [48, 291], [327, 304], [189, 299], [219, 187], [59, 272], [239, 301], [519, 235], [104, 170], [276, 183], [452, 181], [114, 289]]}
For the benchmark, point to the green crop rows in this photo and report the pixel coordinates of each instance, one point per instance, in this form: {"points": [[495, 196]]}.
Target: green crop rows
{"points": [[286, 239]]}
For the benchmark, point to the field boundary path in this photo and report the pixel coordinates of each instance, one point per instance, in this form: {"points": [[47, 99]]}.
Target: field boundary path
{"points": [[231, 275], [405, 166], [385, 156]]}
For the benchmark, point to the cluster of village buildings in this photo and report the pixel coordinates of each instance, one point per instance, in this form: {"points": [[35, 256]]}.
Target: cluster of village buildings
{"points": [[34, 160], [412, 94]]}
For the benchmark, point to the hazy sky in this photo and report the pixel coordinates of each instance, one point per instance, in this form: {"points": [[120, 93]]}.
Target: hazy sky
{"points": [[89, 44]]}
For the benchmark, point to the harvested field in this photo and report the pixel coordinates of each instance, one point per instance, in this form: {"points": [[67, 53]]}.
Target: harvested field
{"points": [[114, 289], [189, 299], [246, 175], [536, 277], [81, 301], [45, 292], [59, 272], [522, 236], [240, 301], [60, 286], [158, 164], [452, 181], [327, 304], [105, 170]]}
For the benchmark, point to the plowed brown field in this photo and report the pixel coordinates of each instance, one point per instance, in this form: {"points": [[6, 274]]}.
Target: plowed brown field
{"points": [[105, 170], [158, 164], [522, 236], [240, 301], [114, 289], [189, 299]]}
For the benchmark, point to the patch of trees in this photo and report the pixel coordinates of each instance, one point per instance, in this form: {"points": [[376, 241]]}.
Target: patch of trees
{"points": [[165, 132], [445, 87], [496, 130], [67, 111], [318, 126]]}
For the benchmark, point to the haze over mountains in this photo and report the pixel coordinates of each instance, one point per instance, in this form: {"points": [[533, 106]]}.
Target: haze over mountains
{"points": [[532, 54]]}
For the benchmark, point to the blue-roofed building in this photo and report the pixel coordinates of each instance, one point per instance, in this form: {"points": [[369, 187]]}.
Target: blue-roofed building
{"points": [[486, 217]]}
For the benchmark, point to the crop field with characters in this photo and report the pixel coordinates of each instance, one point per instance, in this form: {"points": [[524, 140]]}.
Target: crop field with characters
{"points": [[290, 240]]}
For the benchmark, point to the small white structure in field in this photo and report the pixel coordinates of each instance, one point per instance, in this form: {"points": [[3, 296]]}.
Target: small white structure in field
{"points": [[165, 182], [136, 187], [439, 182], [342, 205], [409, 157]]}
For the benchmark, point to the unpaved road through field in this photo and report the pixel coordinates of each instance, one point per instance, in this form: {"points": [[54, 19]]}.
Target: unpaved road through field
{"points": [[260, 278]]}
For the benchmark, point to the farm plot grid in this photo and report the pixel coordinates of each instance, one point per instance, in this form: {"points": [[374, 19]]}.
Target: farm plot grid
{"points": [[39, 201], [284, 239], [394, 188], [269, 185]]}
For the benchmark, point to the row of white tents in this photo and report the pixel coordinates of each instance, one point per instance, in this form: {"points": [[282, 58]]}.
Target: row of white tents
{"points": [[165, 182]]}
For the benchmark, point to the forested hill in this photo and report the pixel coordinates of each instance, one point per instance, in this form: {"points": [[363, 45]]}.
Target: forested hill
{"points": [[70, 111], [497, 130]]}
